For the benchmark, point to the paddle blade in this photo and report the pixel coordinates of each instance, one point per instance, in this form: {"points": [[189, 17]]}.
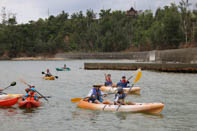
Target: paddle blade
{"points": [[13, 83], [56, 77], [139, 74], [76, 99]]}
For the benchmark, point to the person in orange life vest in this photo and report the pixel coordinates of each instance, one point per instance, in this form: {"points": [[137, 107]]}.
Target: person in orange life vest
{"points": [[123, 83], [95, 95], [31, 93], [108, 81], [27, 91], [48, 74]]}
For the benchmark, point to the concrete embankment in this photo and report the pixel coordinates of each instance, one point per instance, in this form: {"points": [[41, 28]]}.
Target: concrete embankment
{"points": [[185, 68], [187, 55]]}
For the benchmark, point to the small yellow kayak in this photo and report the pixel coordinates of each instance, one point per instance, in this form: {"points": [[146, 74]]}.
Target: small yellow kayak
{"points": [[49, 78], [15, 95]]}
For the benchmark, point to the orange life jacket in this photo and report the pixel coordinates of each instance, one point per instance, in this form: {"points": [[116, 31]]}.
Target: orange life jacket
{"points": [[31, 95]]}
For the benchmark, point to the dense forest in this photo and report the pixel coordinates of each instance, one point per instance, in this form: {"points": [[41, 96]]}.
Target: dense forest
{"points": [[170, 27]]}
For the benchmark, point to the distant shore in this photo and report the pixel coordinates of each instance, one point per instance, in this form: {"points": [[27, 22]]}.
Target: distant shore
{"points": [[186, 55], [33, 59], [36, 58]]}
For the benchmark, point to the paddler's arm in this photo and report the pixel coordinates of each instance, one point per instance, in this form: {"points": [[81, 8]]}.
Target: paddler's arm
{"points": [[116, 100], [90, 93], [105, 76], [103, 94]]}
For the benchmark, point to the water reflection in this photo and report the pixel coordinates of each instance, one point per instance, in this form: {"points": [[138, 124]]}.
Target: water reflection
{"points": [[9, 111], [124, 115], [85, 114], [121, 116], [31, 110]]}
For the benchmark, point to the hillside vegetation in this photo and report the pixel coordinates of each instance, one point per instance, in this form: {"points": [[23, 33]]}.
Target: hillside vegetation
{"points": [[173, 26]]}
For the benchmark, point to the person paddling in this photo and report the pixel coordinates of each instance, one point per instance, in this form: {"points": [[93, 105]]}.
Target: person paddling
{"points": [[48, 74], [123, 82], [64, 66], [29, 89], [120, 98], [30, 93], [95, 95], [108, 81]]}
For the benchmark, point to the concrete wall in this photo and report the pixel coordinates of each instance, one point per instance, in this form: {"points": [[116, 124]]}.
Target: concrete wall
{"points": [[144, 56], [187, 55], [167, 67]]}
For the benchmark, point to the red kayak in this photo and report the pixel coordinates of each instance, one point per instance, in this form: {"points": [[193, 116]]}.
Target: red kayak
{"points": [[28, 104], [8, 102]]}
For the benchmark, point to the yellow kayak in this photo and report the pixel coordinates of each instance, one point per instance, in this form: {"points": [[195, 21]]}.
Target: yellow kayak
{"points": [[7, 96], [15, 95], [49, 78]]}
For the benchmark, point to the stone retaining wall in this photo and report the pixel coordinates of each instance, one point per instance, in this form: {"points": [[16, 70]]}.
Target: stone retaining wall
{"points": [[170, 67], [187, 55]]}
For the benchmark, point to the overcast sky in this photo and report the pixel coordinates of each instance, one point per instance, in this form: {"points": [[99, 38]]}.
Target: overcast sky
{"points": [[27, 10]]}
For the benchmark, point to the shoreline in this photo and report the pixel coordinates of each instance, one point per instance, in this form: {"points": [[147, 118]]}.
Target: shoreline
{"points": [[187, 55], [36, 59]]}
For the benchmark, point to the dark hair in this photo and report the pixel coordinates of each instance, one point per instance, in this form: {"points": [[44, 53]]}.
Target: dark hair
{"points": [[123, 76], [120, 89]]}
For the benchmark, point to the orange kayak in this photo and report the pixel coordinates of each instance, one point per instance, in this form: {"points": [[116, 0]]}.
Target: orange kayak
{"points": [[134, 90], [139, 107], [28, 103], [8, 102]]}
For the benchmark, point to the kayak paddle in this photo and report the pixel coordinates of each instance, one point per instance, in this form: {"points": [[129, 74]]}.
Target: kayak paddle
{"points": [[45, 96], [35, 89], [134, 74], [76, 99], [12, 84]]}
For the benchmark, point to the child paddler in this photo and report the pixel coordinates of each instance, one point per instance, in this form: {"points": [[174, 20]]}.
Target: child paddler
{"points": [[108, 81], [123, 82], [96, 95]]}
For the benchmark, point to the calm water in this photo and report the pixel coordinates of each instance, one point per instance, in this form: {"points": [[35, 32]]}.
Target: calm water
{"points": [[177, 91]]}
